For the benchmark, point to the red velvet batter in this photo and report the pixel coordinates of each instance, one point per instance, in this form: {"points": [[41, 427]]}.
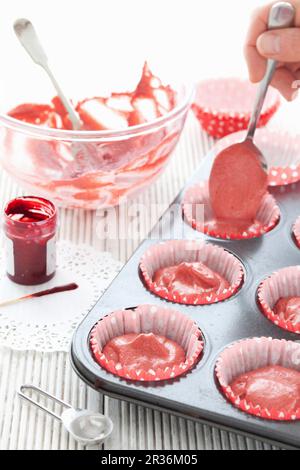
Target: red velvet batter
{"points": [[288, 308], [190, 278], [144, 351], [150, 100], [270, 387], [237, 185]]}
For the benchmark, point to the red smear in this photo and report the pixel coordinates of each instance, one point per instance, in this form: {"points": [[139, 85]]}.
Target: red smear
{"points": [[96, 115], [144, 351], [32, 113], [288, 309], [147, 102], [237, 185], [273, 388], [55, 290], [190, 278]]}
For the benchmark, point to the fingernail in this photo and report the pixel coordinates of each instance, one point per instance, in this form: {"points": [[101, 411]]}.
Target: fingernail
{"points": [[295, 95], [269, 44]]}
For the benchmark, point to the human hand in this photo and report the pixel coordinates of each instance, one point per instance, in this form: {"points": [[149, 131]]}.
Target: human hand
{"points": [[282, 45]]}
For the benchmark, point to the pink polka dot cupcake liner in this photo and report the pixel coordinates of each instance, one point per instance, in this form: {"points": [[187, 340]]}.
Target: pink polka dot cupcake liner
{"points": [[252, 354], [280, 149], [296, 232], [146, 319], [282, 284], [198, 213], [223, 106], [175, 252]]}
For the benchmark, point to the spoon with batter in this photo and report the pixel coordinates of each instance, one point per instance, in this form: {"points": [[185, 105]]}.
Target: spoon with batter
{"points": [[239, 179], [29, 39]]}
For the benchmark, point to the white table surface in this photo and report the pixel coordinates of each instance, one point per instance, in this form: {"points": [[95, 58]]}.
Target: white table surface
{"points": [[24, 427]]}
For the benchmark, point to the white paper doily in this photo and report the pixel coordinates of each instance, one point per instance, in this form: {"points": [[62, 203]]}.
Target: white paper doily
{"points": [[48, 323]]}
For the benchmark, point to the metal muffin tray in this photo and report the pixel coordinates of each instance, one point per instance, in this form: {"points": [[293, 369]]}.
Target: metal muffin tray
{"points": [[196, 395]]}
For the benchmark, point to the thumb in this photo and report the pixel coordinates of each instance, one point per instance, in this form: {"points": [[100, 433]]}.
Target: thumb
{"points": [[282, 45]]}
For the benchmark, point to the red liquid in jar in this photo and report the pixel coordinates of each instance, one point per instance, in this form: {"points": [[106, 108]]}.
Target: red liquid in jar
{"points": [[30, 227]]}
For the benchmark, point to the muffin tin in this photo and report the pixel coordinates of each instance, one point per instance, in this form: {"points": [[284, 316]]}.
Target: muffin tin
{"points": [[196, 395]]}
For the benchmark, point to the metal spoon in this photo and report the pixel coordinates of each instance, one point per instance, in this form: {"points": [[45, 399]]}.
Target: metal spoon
{"points": [[239, 177], [282, 15], [29, 39], [87, 427]]}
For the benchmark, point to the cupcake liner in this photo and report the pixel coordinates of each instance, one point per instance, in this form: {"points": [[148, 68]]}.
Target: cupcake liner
{"points": [[197, 197], [224, 106], [283, 283], [252, 354], [296, 232], [174, 252], [148, 319], [281, 150]]}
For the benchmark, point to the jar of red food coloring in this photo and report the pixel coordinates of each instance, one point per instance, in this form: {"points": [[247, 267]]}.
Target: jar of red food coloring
{"points": [[30, 227]]}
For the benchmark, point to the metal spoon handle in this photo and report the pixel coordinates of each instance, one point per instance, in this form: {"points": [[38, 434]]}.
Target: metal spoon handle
{"points": [[76, 124], [29, 39], [41, 392], [282, 15]]}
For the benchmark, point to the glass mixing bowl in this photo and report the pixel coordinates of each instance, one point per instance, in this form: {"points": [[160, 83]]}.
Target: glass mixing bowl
{"points": [[90, 169]]}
